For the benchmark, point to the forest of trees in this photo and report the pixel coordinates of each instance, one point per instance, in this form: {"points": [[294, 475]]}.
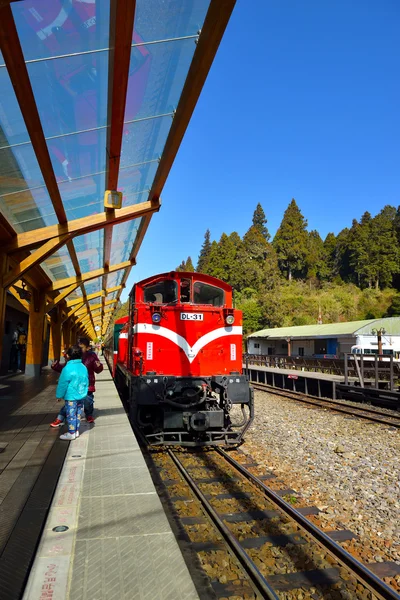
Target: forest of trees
{"points": [[290, 279]]}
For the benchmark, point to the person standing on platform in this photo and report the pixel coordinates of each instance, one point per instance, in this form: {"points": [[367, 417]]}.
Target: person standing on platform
{"points": [[93, 365], [18, 347], [73, 388]]}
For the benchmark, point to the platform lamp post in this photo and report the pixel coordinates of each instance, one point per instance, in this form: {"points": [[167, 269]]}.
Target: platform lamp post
{"points": [[379, 333]]}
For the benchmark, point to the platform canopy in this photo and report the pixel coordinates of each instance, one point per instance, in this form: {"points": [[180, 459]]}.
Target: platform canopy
{"points": [[95, 95]]}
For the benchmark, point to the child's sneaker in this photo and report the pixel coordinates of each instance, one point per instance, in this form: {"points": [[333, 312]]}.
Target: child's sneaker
{"points": [[90, 419], [56, 423], [68, 436]]}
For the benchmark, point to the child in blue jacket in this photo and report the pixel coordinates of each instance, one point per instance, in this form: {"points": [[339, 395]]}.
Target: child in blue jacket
{"points": [[73, 388]]}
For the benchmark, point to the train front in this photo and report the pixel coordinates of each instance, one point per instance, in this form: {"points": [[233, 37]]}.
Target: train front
{"points": [[184, 362]]}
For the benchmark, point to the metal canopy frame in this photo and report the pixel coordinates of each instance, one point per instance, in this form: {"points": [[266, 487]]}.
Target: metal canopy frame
{"points": [[23, 253]]}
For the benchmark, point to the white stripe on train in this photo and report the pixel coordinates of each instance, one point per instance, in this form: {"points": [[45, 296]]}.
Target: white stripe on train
{"points": [[190, 351]]}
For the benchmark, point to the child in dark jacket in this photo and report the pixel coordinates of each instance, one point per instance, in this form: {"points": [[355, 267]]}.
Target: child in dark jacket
{"points": [[93, 365], [73, 388]]}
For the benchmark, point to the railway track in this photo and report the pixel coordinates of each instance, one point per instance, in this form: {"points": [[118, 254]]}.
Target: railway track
{"points": [[281, 553], [370, 414]]}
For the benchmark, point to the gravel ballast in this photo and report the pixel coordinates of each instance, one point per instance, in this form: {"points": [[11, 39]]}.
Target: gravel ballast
{"points": [[348, 468]]}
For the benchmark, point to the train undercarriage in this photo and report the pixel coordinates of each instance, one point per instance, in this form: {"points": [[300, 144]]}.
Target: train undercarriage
{"points": [[188, 411]]}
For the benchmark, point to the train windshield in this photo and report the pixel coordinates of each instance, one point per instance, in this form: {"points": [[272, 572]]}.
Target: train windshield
{"points": [[164, 291], [208, 294]]}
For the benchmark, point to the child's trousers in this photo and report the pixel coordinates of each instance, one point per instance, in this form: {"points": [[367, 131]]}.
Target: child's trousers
{"points": [[74, 411]]}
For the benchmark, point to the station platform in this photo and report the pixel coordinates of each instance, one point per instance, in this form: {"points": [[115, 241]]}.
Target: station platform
{"points": [[104, 532]]}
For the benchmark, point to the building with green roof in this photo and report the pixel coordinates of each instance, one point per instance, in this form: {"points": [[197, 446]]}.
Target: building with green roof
{"points": [[330, 340]]}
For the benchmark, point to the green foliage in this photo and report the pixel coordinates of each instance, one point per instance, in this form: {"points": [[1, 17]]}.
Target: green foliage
{"points": [[291, 242], [186, 266], [204, 253], [287, 282]]}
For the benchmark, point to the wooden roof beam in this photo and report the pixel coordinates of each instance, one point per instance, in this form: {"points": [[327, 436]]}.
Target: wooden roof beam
{"points": [[62, 283], [96, 295], [30, 239], [122, 16], [33, 259]]}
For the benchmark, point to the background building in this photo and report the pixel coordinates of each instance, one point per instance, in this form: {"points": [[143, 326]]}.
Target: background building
{"points": [[333, 339]]}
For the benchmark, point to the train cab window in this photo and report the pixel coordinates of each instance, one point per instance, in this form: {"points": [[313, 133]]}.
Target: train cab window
{"points": [[161, 292], [185, 292], [208, 294]]}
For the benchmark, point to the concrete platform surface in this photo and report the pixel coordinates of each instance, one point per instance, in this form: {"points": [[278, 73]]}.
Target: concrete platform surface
{"points": [[118, 542]]}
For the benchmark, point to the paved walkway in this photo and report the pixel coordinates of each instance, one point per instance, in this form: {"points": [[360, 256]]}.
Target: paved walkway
{"points": [[118, 542], [31, 459]]}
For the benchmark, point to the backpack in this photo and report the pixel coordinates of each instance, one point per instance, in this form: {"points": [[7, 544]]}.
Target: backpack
{"points": [[21, 340]]}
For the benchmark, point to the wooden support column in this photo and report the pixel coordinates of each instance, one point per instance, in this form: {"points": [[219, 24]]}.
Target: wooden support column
{"points": [[3, 295], [66, 332], [36, 334], [55, 336]]}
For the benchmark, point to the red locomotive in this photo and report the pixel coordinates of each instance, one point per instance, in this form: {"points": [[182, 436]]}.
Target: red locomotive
{"points": [[180, 361]]}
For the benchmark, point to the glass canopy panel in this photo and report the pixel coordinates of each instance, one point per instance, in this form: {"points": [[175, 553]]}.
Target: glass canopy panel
{"points": [[93, 286], [157, 74], [164, 19], [135, 181], [144, 140], [19, 169], [78, 155], [95, 301], [113, 295], [71, 93], [115, 278], [89, 249], [56, 27], [28, 210], [59, 265], [12, 124], [123, 236], [83, 196]]}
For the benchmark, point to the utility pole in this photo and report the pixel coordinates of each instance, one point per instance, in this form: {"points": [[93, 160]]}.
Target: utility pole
{"points": [[379, 333]]}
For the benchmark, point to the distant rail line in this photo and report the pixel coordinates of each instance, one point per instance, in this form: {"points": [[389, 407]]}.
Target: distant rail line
{"points": [[370, 414]]}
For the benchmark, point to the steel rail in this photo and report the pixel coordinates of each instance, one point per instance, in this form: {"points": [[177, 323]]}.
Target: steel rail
{"points": [[364, 413], [259, 582], [365, 576]]}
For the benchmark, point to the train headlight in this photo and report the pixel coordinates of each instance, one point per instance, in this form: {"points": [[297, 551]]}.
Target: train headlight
{"points": [[156, 317], [229, 320]]}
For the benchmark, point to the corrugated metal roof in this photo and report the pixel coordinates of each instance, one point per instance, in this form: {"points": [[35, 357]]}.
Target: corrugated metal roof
{"points": [[391, 325]]}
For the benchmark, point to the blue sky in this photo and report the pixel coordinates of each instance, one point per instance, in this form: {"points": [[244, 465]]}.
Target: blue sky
{"points": [[302, 101]]}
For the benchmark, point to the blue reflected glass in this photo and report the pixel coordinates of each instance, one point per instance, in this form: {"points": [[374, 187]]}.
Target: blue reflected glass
{"points": [[144, 140], [93, 286], [28, 210], [134, 181], [157, 74], [55, 27], [89, 249], [12, 124], [71, 93], [123, 236], [78, 155], [163, 19], [59, 265], [115, 278], [84, 196]]}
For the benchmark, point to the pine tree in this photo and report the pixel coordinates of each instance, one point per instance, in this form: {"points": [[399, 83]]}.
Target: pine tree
{"points": [[290, 242], [330, 245], [204, 253], [316, 262], [259, 222], [383, 249], [182, 267], [189, 265]]}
